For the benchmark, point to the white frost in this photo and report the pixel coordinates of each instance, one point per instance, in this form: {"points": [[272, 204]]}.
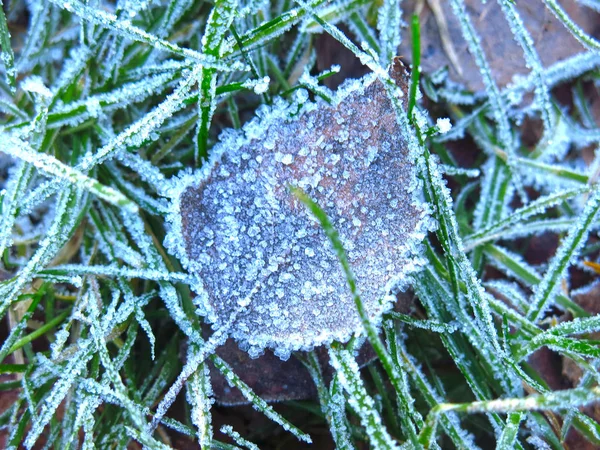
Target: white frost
{"points": [[444, 125]]}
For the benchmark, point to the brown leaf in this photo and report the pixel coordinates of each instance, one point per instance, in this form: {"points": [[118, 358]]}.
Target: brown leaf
{"points": [[264, 265], [270, 378]]}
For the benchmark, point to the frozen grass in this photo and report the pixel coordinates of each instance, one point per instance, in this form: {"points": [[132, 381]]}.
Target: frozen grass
{"points": [[101, 106]]}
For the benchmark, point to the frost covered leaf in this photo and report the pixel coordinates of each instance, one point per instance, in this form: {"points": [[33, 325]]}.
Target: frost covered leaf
{"points": [[236, 225]]}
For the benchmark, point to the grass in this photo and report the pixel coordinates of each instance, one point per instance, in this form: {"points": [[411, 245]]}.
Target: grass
{"points": [[102, 105]]}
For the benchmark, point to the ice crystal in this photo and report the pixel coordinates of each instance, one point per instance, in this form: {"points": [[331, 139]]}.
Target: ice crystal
{"points": [[235, 223], [444, 125]]}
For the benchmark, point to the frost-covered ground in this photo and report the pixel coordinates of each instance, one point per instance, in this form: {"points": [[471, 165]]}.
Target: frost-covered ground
{"points": [[419, 245]]}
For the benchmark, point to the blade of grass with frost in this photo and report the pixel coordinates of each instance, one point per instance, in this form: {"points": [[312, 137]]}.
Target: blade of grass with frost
{"points": [[348, 373], [8, 56], [493, 200], [126, 29], [99, 328], [55, 168], [218, 23], [258, 403], [460, 437], [145, 440], [75, 366], [576, 326], [396, 378], [114, 271], [272, 29], [332, 403], [533, 228], [237, 438], [587, 41], [336, 12], [198, 395], [188, 325], [15, 191], [363, 31], [179, 427], [587, 426], [146, 170], [389, 20], [535, 207], [139, 131], [553, 401], [522, 36], [549, 174], [513, 265], [367, 60], [474, 44], [568, 250], [428, 324], [69, 213], [433, 295]]}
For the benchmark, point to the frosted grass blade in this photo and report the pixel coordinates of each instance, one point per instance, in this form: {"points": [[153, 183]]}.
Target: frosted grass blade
{"points": [[532, 59], [50, 166], [588, 42], [217, 26], [126, 29], [258, 403], [349, 376], [8, 56], [568, 250]]}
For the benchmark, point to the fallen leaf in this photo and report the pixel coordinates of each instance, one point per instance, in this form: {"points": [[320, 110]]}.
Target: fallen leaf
{"points": [[265, 269]]}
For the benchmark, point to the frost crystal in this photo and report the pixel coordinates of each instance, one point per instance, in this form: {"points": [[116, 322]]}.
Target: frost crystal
{"points": [[235, 224], [444, 125]]}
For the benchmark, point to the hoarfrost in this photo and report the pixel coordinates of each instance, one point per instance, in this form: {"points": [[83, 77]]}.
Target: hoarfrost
{"points": [[444, 125], [234, 223], [259, 86], [239, 440]]}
